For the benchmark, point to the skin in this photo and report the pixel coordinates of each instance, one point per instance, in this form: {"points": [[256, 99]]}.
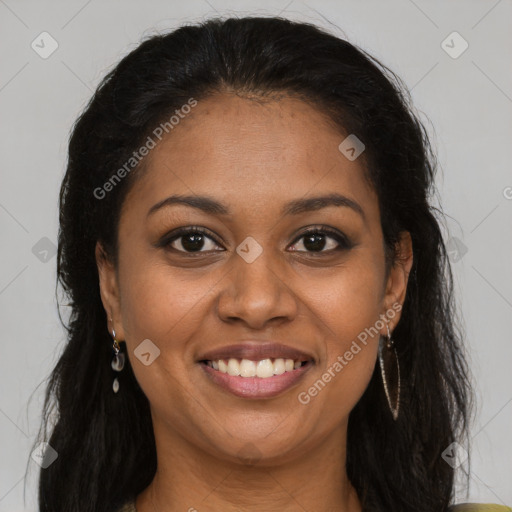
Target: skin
{"points": [[254, 157]]}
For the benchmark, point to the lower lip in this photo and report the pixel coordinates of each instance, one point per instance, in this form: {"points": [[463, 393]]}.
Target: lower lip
{"points": [[256, 387]]}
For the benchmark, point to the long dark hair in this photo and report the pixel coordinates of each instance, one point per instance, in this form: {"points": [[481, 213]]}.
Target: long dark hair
{"points": [[105, 443]]}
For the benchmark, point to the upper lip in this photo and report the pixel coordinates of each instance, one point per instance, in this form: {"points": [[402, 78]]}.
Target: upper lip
{"points": [[256, 350]]}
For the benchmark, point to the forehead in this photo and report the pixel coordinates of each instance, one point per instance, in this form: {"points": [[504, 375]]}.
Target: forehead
{"points": [[249, 151]]}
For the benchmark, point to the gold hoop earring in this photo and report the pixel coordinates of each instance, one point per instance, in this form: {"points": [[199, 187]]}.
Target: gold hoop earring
{"points": [[390, 371]]}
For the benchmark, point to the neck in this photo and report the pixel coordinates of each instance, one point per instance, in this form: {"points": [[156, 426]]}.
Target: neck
{"points": [[192, 479]]}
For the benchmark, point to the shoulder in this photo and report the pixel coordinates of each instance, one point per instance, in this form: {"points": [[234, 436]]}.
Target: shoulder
{"points": [[128, 507], [479, 507]]}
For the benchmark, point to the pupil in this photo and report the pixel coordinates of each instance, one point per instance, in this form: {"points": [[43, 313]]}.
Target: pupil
{"points": [[317, 242], [192, 242]]}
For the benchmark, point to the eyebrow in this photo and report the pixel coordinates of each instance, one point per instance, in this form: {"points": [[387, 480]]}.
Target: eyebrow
{"points": [[295, 207]]}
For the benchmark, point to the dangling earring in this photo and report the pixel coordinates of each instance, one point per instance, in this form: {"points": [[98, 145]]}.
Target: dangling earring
{"points": [[390, 371], [117, 361]]}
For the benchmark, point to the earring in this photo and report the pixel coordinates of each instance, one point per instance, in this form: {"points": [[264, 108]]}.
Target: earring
{"points": [[117, 361], [390, 371]]}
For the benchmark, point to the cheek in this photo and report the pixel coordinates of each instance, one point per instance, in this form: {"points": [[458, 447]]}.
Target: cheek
{"points": [[347, 308], [348, 299], [159, 302]]}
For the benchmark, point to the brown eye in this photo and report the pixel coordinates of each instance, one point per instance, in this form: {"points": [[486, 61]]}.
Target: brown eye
{"points": [[190, 240], [322, 240]]}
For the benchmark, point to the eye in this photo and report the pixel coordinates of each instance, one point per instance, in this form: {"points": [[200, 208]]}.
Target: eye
{"points": [[323, 240], [195, 239], [190, 240]]}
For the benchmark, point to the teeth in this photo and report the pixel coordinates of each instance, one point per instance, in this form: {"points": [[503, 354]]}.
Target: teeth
{"points": [[265, 369], [247, 368], [233, 367], [262, 369], [279, 367]]}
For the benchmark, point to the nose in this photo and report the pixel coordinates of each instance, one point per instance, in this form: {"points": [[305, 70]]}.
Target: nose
{"points": [[256, 293]]}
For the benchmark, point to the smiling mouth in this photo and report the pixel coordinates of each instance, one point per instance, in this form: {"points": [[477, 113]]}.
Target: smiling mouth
{"points": [[263, 369]]}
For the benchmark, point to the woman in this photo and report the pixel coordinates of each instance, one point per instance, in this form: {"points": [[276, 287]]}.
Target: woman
{"points": [[262, 311]]}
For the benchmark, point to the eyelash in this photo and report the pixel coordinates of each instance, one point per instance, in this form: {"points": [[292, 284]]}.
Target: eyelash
{"points": [[341, 239]]}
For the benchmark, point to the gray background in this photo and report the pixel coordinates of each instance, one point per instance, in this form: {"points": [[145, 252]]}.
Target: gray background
{"points": [[468, 100]]}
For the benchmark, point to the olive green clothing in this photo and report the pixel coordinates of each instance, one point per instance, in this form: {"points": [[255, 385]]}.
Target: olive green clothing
{"points": [[480, 507]]}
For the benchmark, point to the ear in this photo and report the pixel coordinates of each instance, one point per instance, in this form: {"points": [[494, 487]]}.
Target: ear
{"points": [[396, 285], [109, 291]]}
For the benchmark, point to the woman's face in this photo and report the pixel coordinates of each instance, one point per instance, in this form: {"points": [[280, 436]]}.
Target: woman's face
{"points": [[254, 279]]}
